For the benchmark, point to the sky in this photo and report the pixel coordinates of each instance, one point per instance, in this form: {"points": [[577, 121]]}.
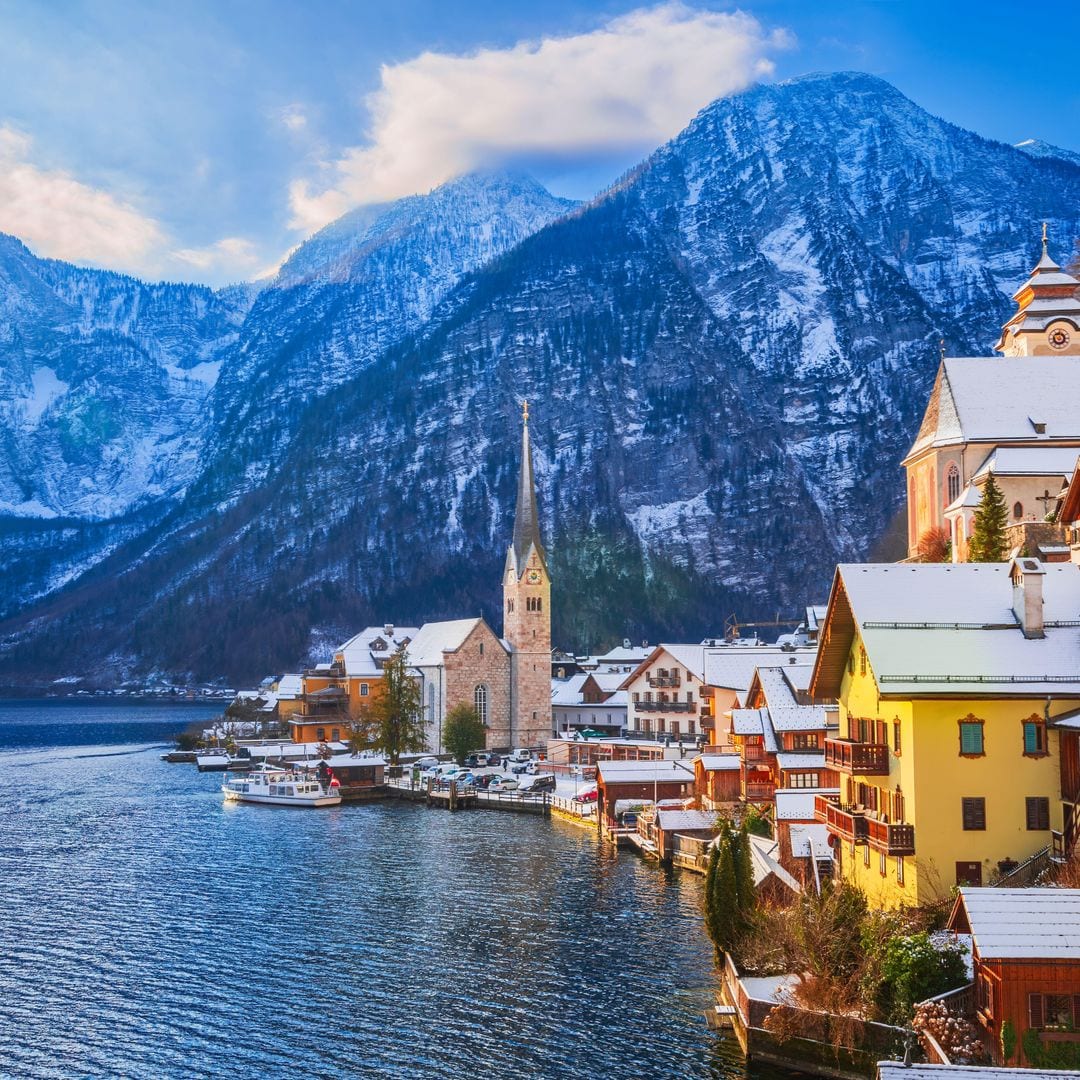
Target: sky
{"points": [[202, 141]]}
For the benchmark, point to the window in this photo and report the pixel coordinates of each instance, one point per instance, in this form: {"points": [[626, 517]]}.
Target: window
{"points": [[637, 697], [1053, 1011], [862, 660], [973, 812], [802, 780], [509, 605], [803, 741], [481, 648], [986, 996], [335, 734], [952, 481], [1018, 510], [971, 737], [320, 734], [365, 689], [480, 703], [896, 737], [689, 697], [1034, 737], [899, 870], [1038, 813], [851, 662], [866, 854], [883, 864]]}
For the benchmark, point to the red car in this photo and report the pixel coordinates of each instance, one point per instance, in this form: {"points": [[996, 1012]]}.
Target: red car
{"points": [[588, 795]]}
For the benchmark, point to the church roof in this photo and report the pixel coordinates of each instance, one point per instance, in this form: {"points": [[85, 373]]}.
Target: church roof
{"points": [[1029, 461], [1050, 293], [436, 638], [526, 513], [1002, 399]]}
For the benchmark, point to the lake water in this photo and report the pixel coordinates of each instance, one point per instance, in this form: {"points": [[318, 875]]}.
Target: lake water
{"points": [[149, 930]]}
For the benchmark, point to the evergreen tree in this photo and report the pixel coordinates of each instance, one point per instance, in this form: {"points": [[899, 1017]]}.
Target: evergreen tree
{"points": [[463, 732], [394, 722], [725, 896], [744, 875], [988, 536], [711, 926]]}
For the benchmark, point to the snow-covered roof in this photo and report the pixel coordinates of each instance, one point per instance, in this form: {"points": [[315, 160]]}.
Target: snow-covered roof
{"points": [[719, 762], [290, 687], [436, 638], [969, 497], [567, 691], [747, 721], [733, 667], [1001, 399], [950, 628], [803, 718], [1053, 461], [897, 1070], [686, 820], [810, 839], [363, 652], [796, 759], [691, 657], [1037, 924], [797, 804], [644, 771], [764, 858], [344, 761]]}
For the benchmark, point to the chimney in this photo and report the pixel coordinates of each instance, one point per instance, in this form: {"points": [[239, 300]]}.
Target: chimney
{"points": [[1027, 582], [388, 630]]}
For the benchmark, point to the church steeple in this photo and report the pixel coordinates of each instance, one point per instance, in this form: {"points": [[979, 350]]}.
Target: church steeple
{"points": [[526, 514], [1047, 319]]}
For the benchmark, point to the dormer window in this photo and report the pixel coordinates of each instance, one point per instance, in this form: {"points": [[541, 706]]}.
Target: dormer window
{"points": [[1038, 425]]}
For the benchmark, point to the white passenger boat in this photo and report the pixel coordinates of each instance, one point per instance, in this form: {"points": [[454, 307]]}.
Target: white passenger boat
{"points": [[280, 787]]}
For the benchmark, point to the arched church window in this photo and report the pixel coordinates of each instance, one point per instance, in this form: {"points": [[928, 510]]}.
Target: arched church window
{"points": [[953, 483], [1018, 510], [480, 701], [509, 605]]}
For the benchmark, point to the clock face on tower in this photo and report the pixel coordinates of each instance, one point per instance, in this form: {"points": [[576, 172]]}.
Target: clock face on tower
{"points": [[533, 577], [1059, 337]]}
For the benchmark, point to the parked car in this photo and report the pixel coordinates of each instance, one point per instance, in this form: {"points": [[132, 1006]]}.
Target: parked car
{"points": [[521, 754], [425, 763], [541, 783], [503, 783], [587, 795]]}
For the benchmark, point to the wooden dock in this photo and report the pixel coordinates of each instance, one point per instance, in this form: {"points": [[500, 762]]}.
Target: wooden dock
{"points": [[449, 798]]}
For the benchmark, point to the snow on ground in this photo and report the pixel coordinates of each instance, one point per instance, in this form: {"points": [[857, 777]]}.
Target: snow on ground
{"points": [[45, 389]]}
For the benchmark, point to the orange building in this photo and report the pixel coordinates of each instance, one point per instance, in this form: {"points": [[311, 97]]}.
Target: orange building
{"points": [[335, 694]]}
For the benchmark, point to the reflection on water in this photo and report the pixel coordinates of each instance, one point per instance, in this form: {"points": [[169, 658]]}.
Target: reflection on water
{"points": [[150, 930]]}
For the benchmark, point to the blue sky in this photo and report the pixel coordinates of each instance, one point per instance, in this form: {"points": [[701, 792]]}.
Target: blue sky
{"points": [[203, 140]]}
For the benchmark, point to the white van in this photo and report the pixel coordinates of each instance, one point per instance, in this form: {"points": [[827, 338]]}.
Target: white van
{"points": [[520, 755]]}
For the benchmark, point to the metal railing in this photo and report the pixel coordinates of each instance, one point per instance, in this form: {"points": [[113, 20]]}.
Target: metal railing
{"points": [[866, 759]]}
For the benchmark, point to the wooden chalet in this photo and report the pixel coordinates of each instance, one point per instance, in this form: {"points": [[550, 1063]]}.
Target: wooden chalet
{"points": [[1025, 947]]}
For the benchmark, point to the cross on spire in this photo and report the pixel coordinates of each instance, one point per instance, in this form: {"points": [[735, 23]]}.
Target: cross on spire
{"points": [[1044, 238], [525, 411]]}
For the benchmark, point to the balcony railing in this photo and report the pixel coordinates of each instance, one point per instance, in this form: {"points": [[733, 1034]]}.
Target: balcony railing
{"points": [[893, 839], [754, 752], [664, 706], [665, 680], [847, 822], [758, 792], [866, 759], [335, 671]]}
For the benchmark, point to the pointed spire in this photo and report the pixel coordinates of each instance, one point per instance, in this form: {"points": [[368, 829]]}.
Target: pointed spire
{"points": [[526, 515]]}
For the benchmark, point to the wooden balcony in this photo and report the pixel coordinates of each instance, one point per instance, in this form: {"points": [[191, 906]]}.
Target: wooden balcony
{"points": [[892, 839], [665, 680], [664, 706], [865, 759], [847, 822], [755, 791], [754, 752]]}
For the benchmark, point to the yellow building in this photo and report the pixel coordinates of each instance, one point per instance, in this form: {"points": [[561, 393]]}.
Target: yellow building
{"points": [[949, 679]]}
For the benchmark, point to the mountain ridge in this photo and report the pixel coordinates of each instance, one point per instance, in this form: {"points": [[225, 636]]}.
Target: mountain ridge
{"points": [[726, 352]]}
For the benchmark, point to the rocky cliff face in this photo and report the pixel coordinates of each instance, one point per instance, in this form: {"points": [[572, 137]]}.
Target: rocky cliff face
{"points": [[726, 356]]}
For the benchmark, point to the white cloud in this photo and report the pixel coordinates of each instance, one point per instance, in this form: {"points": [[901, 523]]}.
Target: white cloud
{"points": [[632, 83], [232, 257], [61, 217], [293, 117]]}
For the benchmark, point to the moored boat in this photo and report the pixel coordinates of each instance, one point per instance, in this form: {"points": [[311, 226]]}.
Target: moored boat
{"points": [[280, 787]]}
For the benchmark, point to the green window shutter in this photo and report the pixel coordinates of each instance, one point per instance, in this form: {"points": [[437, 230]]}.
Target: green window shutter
{"points": [[971, 738], [1031, 738]]}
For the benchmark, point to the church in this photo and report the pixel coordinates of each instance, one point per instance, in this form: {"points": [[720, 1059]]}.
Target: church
{"points": [[1015, 416], [507, 679]]}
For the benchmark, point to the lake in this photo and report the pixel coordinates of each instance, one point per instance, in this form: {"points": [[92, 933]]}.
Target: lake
{"points": [[149, 930]]}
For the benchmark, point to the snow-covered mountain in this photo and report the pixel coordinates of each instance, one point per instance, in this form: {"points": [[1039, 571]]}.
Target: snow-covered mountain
{"points": [[726, 356]]}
